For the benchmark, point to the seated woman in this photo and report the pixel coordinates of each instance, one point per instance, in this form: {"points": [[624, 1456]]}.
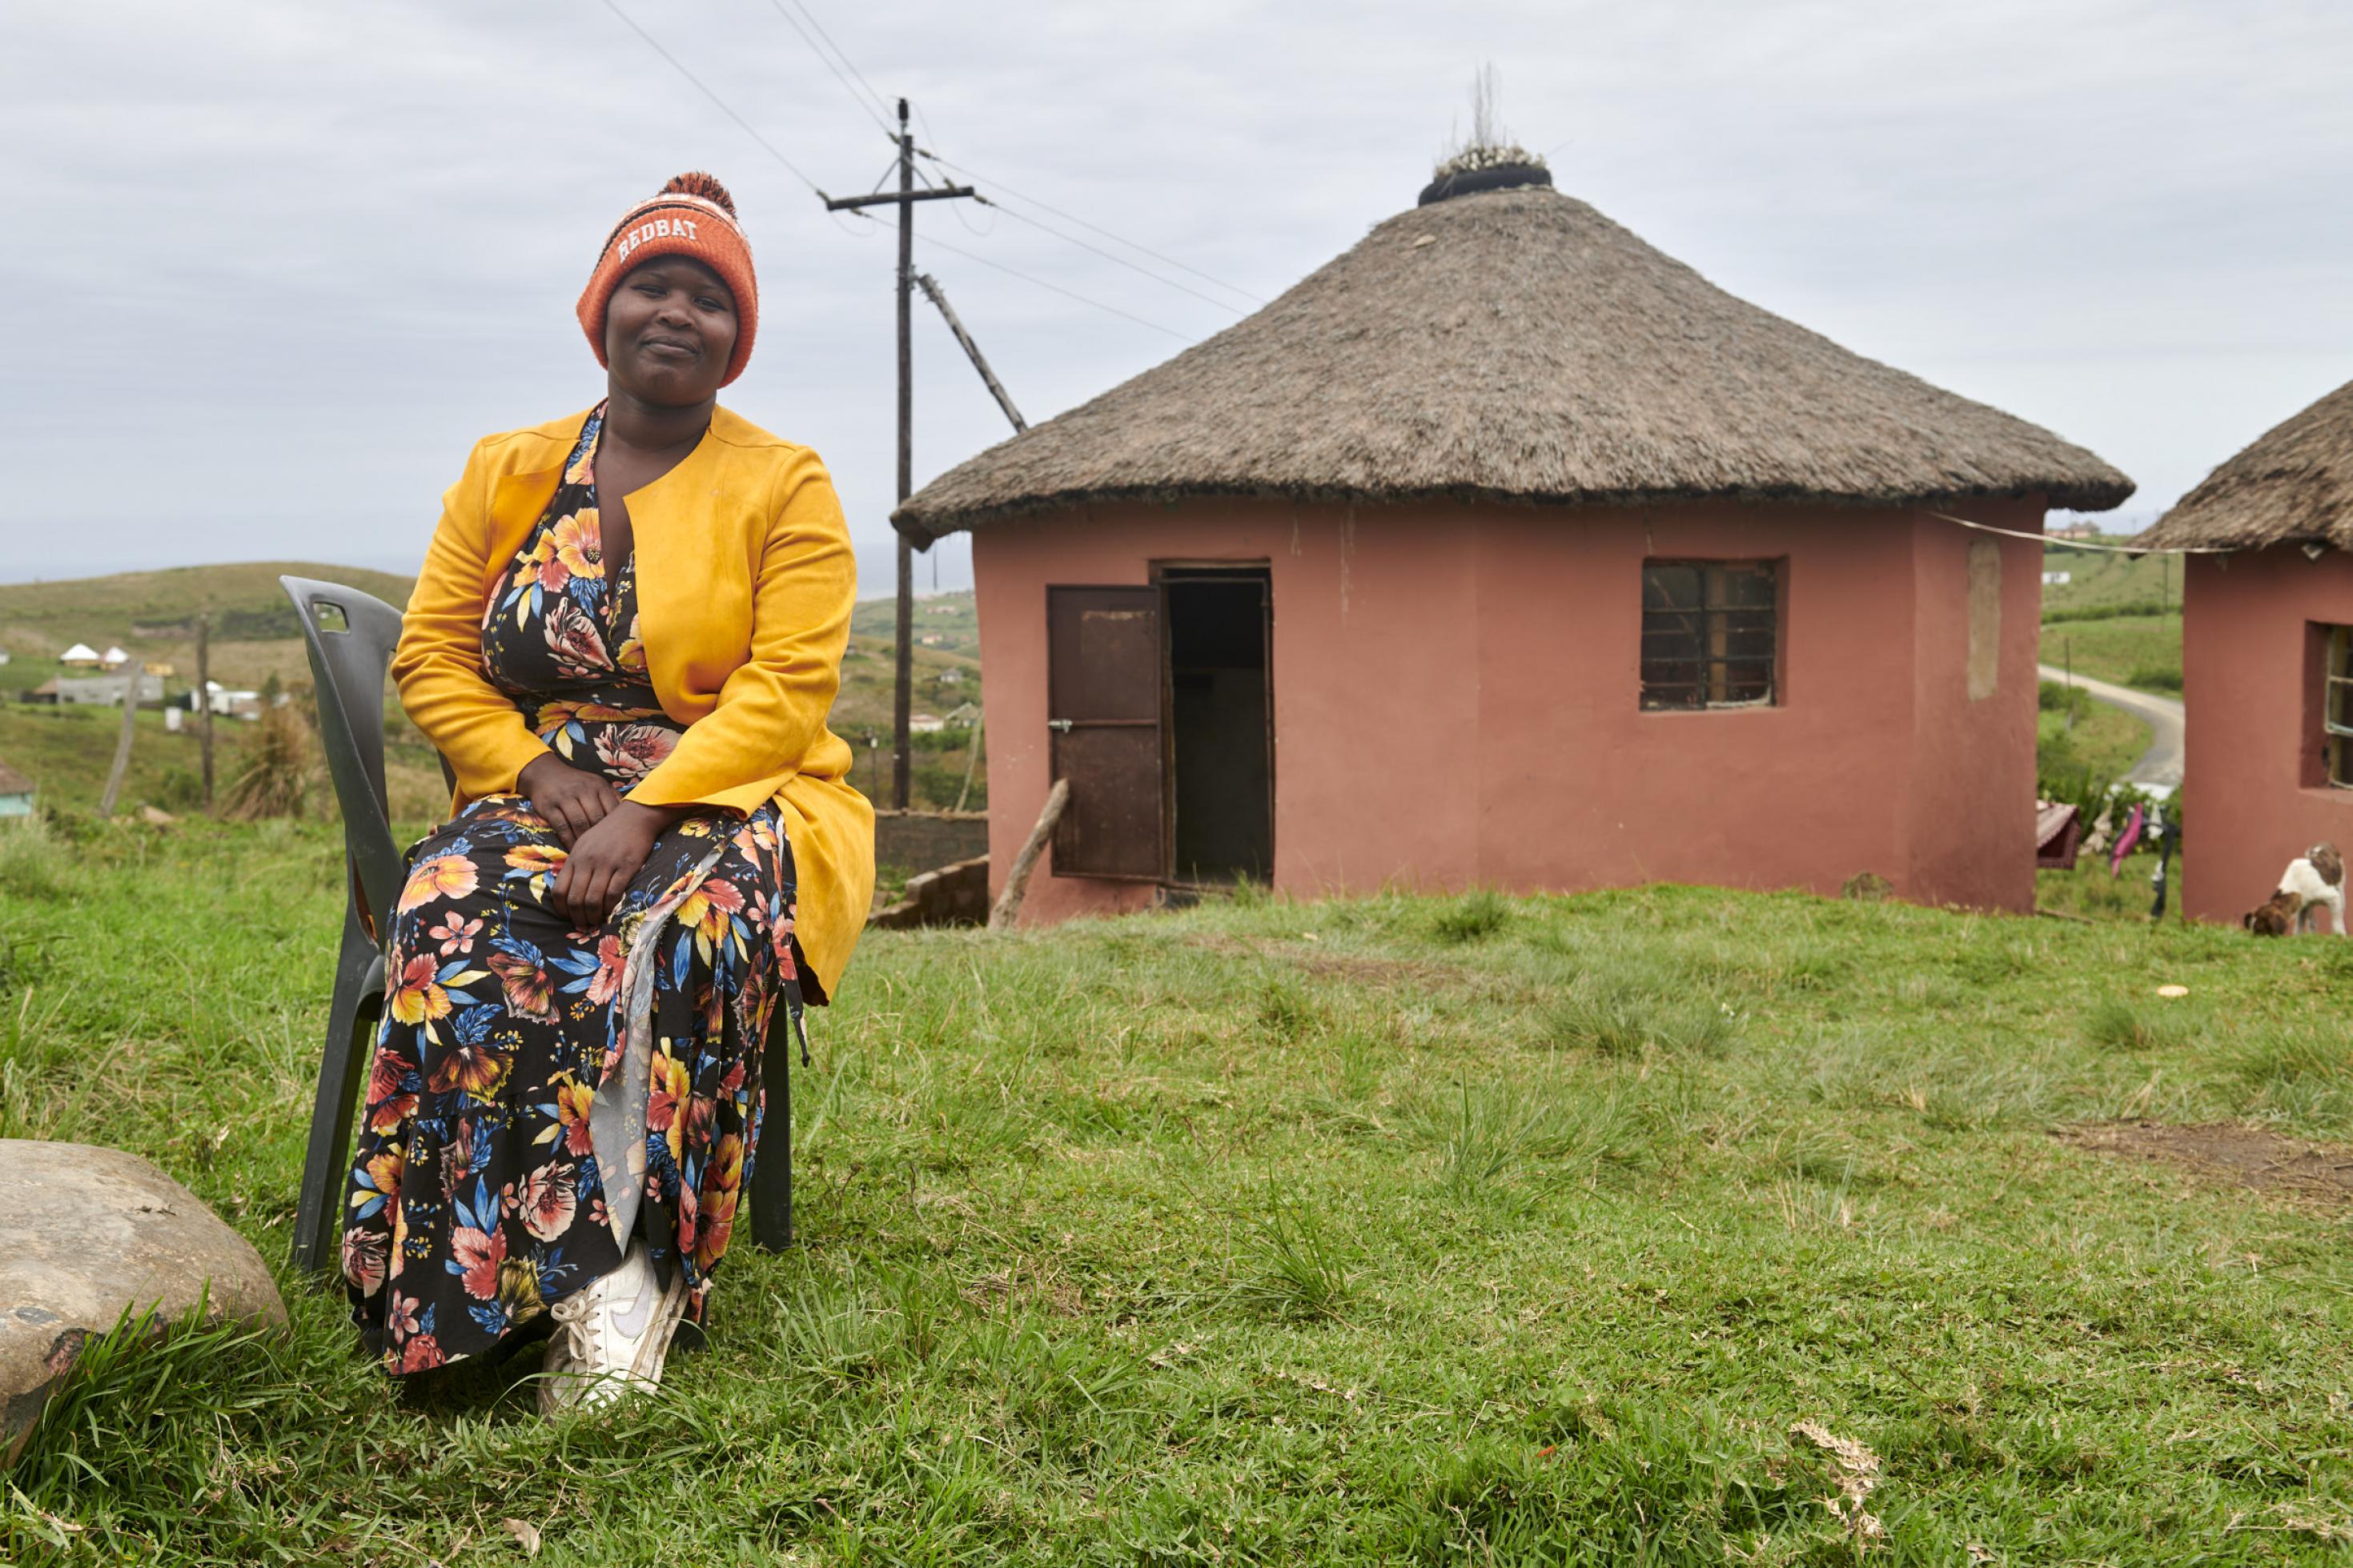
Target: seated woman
{"points": [[626, 639]]}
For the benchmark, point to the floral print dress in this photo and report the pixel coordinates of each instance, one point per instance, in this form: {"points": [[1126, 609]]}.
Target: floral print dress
{"points": [[542, 1093]]}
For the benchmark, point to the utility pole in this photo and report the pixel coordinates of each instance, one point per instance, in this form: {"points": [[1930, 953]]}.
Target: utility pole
{"points": [[905, 196]]}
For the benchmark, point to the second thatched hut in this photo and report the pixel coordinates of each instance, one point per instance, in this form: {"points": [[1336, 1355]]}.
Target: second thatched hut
{"points": [[2267, 655], [1504, 550]]}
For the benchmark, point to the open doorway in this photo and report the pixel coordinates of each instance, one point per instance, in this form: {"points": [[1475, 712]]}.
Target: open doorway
{"points": [[1220, 722]]}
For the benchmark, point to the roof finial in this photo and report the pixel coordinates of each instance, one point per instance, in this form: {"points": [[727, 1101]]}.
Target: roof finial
{"points": [[1490, 161]]}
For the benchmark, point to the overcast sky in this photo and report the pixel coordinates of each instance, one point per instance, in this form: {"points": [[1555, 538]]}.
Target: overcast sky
{"points": [[276, 264]]}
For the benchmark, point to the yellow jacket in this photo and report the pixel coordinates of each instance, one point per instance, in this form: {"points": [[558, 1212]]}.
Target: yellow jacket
{"points": [[745, 581]]}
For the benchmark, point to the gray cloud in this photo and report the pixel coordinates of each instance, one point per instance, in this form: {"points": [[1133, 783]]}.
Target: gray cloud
{"points": [[278, 264]]}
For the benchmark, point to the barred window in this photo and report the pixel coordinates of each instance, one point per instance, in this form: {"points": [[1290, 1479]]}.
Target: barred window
{"points": [[1710, 633], [2337, 706]]}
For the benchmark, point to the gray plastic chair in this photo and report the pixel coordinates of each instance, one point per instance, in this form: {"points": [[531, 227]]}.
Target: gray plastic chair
{"points": [[350, 637]]}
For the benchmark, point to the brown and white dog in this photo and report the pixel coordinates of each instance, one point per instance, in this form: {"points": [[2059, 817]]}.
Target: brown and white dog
{"points": [[2311, 884]]}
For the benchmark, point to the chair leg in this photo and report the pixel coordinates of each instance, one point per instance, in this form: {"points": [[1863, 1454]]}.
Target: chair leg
{"points": [[351, 1030], [772, 1159]]}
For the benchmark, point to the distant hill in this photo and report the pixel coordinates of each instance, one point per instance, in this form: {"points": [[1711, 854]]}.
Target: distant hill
{"points": [[255, 636], [953, 619], [244, 601], [2099, 578]]}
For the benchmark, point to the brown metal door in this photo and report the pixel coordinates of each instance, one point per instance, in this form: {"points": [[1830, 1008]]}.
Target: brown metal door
{"points": [[1103, 685]]}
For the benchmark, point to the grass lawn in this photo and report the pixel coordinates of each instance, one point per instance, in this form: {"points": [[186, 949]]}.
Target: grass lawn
{"points": [[1392, 1229], [2106, 739], [2139, 651]]}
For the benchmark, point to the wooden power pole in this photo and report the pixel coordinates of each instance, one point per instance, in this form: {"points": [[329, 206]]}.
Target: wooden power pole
{"points": [[905, 197]]}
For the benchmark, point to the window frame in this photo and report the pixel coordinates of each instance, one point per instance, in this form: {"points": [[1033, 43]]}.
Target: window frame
{"points": [[1714, 628], [2336, 705]]}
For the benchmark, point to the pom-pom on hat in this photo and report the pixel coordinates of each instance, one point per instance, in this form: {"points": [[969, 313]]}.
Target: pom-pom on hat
{"points": [[692, 216]]}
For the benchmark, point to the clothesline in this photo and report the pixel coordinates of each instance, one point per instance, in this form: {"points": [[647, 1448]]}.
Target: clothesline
{"points": [[2081, 544]]}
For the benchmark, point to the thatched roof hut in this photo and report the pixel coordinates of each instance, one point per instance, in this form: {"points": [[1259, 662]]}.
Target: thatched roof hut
{"points": [[2292, 486], [1515, 345]]}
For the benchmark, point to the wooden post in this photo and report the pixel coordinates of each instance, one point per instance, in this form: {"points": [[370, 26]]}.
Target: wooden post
{"points": [[122, 746], [204, 701], [971, 761], [902, 761], [937, 296], [1017, 883]]}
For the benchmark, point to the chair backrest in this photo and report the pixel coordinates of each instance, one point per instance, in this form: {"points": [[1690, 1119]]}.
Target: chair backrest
{"points": [[350, 637]]}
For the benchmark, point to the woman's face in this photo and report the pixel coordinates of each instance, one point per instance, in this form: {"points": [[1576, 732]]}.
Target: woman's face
{"points": [[669, 332]]}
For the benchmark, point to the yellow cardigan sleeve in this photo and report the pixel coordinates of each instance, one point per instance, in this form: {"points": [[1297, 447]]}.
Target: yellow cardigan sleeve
{"points": [[439, 664], [772, 710]]}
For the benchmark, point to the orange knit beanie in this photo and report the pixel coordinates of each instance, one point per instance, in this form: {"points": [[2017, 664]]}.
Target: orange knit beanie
{"points": [[692, 215]]}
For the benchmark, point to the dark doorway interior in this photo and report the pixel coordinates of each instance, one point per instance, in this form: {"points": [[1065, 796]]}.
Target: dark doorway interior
{"points": [[1221, 737]]}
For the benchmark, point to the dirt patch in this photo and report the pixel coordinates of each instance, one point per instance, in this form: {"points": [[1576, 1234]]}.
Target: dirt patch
{"points": [[2226, 1151]]}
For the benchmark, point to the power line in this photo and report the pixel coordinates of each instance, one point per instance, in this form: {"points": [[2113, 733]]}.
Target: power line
{"points": [[1057, 287], [822, 58], [715, 98], [1108, 256], [880, 102], [1096, 228]]}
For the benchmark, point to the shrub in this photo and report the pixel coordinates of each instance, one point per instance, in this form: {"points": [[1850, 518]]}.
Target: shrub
{"points": [[2058, 696], [2155, 677], [275, 768]]}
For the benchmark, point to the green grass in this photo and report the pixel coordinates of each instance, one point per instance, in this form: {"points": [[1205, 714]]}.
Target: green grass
{"points": [[2102, 579], [2140, 651], [1281, 1233], [2108, 740]]}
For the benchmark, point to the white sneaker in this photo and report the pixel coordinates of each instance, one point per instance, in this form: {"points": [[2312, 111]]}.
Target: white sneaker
{"points": [[611, 1336]]}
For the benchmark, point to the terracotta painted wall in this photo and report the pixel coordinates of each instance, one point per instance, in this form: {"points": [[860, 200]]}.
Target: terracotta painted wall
{"points": [[2252, 797], [1456, 699]]}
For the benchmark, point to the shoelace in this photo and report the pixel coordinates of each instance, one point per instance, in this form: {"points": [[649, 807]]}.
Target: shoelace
{"points": [[583, 1326]]}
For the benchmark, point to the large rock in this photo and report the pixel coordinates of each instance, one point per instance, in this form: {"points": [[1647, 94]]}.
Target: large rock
{"points": [[86, 1232]]}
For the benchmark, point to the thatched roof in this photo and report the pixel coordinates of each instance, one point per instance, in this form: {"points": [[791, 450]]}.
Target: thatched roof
{"points": [[2294, 484], [13, 782], [1515, 345]]}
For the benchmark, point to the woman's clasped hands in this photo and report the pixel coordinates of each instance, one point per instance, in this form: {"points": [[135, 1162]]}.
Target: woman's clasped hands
{"points": [[606, 837]]}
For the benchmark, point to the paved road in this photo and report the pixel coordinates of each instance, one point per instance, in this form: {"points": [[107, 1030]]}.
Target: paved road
{"points": [[2159, 768]]}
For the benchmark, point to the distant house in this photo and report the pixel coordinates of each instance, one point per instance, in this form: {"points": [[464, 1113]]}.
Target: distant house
{"points": [[931, 639], [15, 792], [4, 656], [2267, 655], [113, 658], [228, 704], [81, 656], [1538, 563], [2074, 531], [159, 667], [47, 691], [925, 724], [106, 691], [961, 715], [951, 678]]}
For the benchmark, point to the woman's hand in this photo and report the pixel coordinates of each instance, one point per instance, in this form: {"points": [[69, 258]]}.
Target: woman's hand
{"points": [[604, 859], [572, 801]]}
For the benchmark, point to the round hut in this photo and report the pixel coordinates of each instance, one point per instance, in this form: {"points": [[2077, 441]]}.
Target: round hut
{"points": [[1505, 550], [2267, 655]]}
